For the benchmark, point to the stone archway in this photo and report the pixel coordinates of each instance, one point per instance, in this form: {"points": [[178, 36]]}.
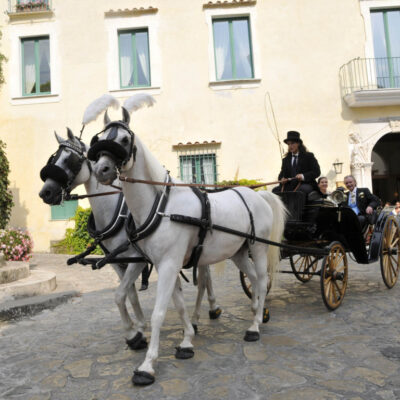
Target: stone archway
{"points": [[386, 167], [363, 136]]}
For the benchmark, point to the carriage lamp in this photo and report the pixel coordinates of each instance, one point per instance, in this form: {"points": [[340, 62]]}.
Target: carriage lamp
{"points": [[338, 167]]}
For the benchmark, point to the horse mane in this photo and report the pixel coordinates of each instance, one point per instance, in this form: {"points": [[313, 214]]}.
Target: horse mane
{"points": [[156, 170]]}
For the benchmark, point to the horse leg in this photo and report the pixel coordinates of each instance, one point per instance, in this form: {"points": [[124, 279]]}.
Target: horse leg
{"points": [[134, 338], [215, 310], [201, 286], [242, 261], [185, 349], [167, 274], [259, 253]]}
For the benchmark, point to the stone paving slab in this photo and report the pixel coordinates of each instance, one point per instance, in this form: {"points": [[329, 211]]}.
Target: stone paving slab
{"points": [[77, 351]]}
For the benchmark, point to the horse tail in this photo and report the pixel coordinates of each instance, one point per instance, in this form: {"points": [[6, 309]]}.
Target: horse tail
{"points": [[279, 214]]}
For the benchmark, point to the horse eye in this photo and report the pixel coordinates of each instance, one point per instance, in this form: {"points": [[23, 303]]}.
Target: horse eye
{"points": [[125, 140]]}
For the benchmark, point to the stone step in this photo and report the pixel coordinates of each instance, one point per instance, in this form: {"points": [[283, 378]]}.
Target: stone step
{"points": [[13, 271], [37, 283]]}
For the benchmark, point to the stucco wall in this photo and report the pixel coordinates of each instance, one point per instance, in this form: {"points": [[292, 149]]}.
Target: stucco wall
{"points": [[300, 46]]}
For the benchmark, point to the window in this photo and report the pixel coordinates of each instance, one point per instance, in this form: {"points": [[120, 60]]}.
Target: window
{"points": [[36, 66], [198, 168], [64, 211], [386, 39], [134, 60], [232, 48]]}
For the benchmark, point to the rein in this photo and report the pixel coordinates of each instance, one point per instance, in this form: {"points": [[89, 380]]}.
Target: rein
{"points": [[198, 185]]}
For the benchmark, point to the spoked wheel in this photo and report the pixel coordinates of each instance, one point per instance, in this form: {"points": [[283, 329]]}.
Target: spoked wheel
{"points": [[246, 284], [302, 266], [334, 275], [390, 252]]}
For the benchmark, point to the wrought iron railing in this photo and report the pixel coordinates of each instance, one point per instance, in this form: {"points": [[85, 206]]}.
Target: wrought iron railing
{"points": [[26, 6], [370, 74]]}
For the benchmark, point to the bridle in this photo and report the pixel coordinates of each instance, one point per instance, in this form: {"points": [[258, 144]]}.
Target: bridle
{"points": [[112, 149], [74, 163]]}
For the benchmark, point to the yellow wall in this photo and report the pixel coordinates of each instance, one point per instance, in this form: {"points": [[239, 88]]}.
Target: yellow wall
{"points": [[301, 45]]}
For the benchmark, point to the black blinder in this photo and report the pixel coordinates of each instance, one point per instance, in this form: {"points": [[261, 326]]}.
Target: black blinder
{"points": [[114, 149], [54, 172]]}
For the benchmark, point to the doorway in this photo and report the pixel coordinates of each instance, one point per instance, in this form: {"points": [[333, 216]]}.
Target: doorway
{"points": [[386, 168]]}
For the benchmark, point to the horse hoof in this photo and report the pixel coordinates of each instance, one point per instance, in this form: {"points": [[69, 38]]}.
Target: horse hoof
{"points": [[183, 353], [138, 342], [251, 336], [195, 328], [142, 378], [266, 316], [215, 314]]}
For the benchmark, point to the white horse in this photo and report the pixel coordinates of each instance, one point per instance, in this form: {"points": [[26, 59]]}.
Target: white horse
{"points": [[103, 208], [118, 150]]}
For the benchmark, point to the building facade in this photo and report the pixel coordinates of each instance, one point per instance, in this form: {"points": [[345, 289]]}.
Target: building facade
{"points": [[230, 78]]}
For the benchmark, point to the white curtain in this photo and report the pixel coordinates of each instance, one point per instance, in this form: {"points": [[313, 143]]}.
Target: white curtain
{"points": [[126, 70], [30, 77], [222, 50], [144, 64], [242, 49], [186, 168], [208, 170]]}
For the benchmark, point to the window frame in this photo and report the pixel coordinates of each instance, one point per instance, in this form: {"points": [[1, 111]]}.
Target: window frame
{"points": [[36, 40], [232, 46], [198, 157], [133, 32]]}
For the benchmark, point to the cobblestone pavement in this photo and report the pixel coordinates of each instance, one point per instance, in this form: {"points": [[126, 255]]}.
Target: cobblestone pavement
{"points": [[77, 351]]}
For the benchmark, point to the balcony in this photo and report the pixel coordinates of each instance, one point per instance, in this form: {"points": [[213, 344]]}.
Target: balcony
{"points": [[369, 82], [28, 7]]}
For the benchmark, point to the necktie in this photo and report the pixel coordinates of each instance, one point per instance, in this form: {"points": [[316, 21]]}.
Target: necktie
{"points": [[353, 198], [294, 163]]}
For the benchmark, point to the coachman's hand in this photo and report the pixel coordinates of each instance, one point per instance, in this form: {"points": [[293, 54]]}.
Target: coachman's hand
{"points": [[300, 177], [369, 210]]}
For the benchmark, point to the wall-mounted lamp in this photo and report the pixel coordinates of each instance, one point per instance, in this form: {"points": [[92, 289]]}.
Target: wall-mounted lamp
{"points": [[338, 167]]}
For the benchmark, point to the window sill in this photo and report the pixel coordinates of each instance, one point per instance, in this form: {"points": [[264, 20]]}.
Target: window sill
{"points": [[45, 98], [131, 91], [373, 98], [235, 84]]}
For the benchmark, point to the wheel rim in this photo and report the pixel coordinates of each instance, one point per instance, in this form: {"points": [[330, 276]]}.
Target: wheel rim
{"points": [[303, 267], [390, 253], [334, 275]]}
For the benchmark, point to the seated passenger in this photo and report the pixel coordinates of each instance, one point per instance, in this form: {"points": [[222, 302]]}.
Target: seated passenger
{"points": [[323, 186], [361, 201], [299, 167]]}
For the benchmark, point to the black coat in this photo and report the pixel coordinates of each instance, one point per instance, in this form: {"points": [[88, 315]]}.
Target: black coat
{"points": [[364, 199], [307, 165]]}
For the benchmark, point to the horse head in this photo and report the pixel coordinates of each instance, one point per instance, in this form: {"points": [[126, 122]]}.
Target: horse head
{"points": [[113, 149], [64, 170]]}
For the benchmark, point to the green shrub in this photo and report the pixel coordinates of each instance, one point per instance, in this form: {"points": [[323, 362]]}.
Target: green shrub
{"points": [[243, 182], [77, 239], [6, 200], [2, 58]]}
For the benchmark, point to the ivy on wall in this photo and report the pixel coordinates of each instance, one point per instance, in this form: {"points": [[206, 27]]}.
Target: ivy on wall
{"points": [[2, 59], [6, 200]]}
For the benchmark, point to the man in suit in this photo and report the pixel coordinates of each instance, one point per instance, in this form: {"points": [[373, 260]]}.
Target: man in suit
{"points": [[360, 200], [299, 167]]}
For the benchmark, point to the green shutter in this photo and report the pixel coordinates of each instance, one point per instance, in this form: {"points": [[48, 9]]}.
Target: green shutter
{"points": [[64, 211]]}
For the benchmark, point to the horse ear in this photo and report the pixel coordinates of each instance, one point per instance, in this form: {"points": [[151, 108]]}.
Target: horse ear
{"points": [[126, 117], [71, 136], [58, 138], [106, 118]]}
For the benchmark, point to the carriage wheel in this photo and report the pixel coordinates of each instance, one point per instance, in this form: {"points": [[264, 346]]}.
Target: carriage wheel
{"points": [[390, 262], [302, 266], [334, 275], [246, 284]]}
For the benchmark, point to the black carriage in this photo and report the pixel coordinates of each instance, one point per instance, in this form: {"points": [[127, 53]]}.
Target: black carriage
{"points": [[322, 234]]}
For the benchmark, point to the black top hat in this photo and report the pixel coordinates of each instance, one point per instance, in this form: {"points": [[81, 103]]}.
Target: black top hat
{"points": [[293, 136]]}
